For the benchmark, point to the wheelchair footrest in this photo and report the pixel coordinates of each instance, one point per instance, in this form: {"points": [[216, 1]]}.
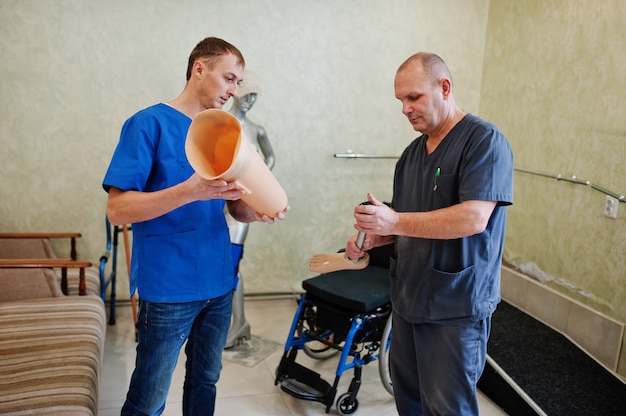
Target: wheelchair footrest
{"points": [[301, 391], [302, 383]]}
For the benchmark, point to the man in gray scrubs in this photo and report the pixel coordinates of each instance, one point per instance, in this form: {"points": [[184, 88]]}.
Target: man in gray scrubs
{"points": [[447, 223]]}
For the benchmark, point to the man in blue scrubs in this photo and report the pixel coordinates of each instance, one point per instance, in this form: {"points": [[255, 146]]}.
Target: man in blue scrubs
{"points": [[447, 222], [181, 262]]}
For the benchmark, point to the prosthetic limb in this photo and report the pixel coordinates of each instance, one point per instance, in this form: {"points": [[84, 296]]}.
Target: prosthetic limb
{"points": [[326, 263], [239, 327]]}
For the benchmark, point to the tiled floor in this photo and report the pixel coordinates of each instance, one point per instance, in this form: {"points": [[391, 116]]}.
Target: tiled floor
{"points": [[242, 390]]}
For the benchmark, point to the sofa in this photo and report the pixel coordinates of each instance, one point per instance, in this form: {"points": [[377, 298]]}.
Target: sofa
{"points": [[51, 344]]}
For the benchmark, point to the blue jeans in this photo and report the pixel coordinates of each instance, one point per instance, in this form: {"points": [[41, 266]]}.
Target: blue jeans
{"points": [[163, 328], [434, 368]]}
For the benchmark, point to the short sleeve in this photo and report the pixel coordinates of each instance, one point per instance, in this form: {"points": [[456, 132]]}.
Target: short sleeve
{"points": [[487, 170], [134, 155]]}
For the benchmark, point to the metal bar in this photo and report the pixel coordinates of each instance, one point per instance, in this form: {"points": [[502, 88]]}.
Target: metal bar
{"points": [[572, 179], [620, 198], [363, 156], [575, 180], [545, 175], [515, 386]]}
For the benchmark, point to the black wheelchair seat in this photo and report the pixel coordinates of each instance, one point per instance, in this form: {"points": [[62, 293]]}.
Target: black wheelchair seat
{"points": [[358, 291]]}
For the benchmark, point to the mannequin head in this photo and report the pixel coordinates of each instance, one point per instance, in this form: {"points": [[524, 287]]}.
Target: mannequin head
{"points": [[251, 83], [247, 92], [245, 103]]}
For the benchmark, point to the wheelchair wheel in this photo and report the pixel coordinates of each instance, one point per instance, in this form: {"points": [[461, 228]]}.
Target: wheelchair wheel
{"points": [[383, 359], [343, 406], [317, 350]]}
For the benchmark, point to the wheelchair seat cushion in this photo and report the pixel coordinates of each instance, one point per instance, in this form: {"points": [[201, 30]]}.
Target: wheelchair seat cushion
{"points": [[356, 290]]}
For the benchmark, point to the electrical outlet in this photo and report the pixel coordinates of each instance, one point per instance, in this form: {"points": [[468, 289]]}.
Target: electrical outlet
{"points": [[610, 206]]}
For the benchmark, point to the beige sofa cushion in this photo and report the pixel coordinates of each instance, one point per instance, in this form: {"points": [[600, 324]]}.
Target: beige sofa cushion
{"points": [[25, 248], [18, 284]]}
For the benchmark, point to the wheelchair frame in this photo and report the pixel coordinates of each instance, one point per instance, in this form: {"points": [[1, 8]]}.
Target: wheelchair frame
{"points": [[360, 337]]}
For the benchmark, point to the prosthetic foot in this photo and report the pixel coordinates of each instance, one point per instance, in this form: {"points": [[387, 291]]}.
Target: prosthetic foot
{"points": [[326, 263]]}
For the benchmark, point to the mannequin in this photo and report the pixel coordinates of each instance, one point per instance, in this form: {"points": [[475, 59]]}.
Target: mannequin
{"points": [[247, 94]]}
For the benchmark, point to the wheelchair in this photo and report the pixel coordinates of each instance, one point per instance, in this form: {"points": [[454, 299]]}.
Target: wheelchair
{"points": [[346, 313]]}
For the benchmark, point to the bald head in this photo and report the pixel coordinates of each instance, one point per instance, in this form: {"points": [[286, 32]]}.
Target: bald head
{"points": [[433, 66], [423, 85]]}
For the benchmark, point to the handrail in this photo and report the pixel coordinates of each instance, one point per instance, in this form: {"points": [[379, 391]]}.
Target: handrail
{"points": [[620, 198], [351, 155], [572, 179]]}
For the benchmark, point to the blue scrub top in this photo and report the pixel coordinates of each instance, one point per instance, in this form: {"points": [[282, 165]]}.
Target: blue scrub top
{"points": [[184, 255], [452, 281]]}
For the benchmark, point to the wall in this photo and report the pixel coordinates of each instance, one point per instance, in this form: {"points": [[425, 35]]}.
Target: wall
{"points": [[72, 71], [554, 81]]}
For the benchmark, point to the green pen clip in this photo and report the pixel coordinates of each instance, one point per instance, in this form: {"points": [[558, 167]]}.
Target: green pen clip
{"points": [[437, 174]]}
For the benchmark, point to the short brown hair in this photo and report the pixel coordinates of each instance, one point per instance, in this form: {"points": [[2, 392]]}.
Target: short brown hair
{"points": [[210, 49]]}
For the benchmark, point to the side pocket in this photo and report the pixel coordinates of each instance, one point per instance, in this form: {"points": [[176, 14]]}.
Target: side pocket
{"points": [[169, 264], [451, 295]]}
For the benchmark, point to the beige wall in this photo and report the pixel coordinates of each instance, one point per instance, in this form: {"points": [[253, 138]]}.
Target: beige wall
{"points": [[554, 81], [72, 71], [552, 78]]}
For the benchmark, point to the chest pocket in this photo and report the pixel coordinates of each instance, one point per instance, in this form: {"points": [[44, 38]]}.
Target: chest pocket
{"points": [[446, 191]]}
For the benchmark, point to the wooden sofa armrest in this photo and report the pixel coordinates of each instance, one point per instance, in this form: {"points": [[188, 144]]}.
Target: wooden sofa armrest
{"points": [[62, 264], [71, 236]]}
